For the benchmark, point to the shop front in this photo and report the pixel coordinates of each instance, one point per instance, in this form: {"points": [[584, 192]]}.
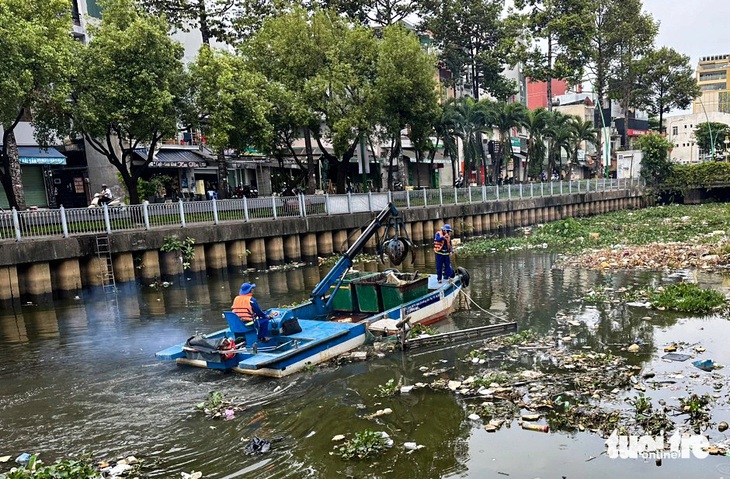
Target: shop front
{"points": [[41, 186]]}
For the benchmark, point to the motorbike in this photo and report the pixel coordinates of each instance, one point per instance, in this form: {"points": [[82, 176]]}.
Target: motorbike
{"points": [[459, 183], [114, 206]]}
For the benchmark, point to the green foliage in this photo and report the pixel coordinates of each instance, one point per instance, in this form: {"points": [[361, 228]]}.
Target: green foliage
{"points": [[669, 81], [557, 38], [419, 329], [388, 389], [649, 225], [696, 407], [153, 187], [212, 402], [641, 403], [687, 298], [709, 134], [172, 244], [132, 89], [82, 468], [699, 175], [38, 61], [524, 336], [472, 36], [655, 164], [365, 444]]}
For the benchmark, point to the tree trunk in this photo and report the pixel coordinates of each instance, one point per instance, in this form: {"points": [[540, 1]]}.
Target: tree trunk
{"points": [[130, 181], [550, 73], [13, 183], [203, 20], [222, 174]]}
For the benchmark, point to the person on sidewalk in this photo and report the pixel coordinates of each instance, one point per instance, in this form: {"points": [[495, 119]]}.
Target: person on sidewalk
{"points": [[443, 249], [248, 309]]}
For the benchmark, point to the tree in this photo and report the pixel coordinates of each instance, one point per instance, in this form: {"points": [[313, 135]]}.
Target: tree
{"points": [[474, 41], [637, 31], [655, 165], [445, 127], [209, 16], [669, 81], [581, 132], [559, 133], [37, 62], [231, 104], [504, 117], [130, 93], [406, 92], [535, 122], [469, 119], [710, 135], [557, 39]]}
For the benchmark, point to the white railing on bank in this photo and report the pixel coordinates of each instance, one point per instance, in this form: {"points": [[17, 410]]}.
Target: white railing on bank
{"points": [[67, 222]]}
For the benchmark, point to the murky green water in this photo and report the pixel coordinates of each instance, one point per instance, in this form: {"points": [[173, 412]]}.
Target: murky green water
{"points": [[81, 376]]}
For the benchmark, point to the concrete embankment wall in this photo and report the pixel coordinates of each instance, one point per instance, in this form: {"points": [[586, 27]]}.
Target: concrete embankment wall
{"points": [[64, 266]]}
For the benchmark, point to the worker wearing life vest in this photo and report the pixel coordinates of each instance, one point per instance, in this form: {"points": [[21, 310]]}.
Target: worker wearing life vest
{"points": [[248, 309], [442, 247]]}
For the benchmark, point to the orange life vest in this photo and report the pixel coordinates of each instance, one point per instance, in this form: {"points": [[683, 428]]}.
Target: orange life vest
{"points": [[242, 307], [438, 246]]}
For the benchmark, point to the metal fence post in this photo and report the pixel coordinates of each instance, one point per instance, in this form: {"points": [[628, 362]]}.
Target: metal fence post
{"points": [[551, 188], [146, 214], [370, 201], [542, 189], [16, 224], [588, 186], [390, 196], [215, 211], [182, 213], [64, 224], [441, 197], [425, 199], [327, 203], [469, 193], [107, 222], [408, 200], [273, 205], [302, 206], [245, 208], [521, 190], [496, 188], [349, 202], [456, 196], [561, 187], [509, 192], [484, 193], [532, 190]]}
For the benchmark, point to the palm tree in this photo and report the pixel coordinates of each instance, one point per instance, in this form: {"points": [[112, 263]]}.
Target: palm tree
{"points": [[504, 117], [559, 132], [535, 122], [469, 120], [445, 128], [582, 131]]}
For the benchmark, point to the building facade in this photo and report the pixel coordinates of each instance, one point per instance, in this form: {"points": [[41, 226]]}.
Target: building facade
{"points": [[680, 132], [712, 78]]}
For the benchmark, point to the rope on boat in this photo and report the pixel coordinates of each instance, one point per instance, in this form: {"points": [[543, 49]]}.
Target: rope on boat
{"points": [[480, 308]]}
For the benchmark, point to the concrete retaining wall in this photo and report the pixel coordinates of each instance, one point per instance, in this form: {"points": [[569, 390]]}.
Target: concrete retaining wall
{"points": [[65, 266]]}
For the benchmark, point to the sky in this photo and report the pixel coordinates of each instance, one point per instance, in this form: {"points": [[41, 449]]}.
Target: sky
{"points": [[696, 28]]}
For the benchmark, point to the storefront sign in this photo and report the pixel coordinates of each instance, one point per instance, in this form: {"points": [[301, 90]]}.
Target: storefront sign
{"points": [[178, 164], [631, 132]]}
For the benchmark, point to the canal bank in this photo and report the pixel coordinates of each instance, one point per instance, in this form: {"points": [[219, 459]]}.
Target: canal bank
{"points": [[64, 266]]}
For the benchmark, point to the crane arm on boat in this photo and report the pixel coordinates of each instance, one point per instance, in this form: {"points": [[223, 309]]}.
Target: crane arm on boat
{"points": [[396, 247]]}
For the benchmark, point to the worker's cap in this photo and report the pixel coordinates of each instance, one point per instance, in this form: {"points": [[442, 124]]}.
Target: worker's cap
{"points": [[246, 288], [446, 227], [103, 185]]}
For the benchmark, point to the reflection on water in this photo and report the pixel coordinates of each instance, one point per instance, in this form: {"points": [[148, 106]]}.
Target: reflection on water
{"points": [[80, 375]]}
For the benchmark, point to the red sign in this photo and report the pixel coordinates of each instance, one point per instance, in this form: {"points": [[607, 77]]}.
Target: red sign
{"points": [[631, 132]]}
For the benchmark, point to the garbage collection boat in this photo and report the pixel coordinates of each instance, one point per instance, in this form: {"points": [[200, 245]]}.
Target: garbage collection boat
{"points": [[343, 309]]}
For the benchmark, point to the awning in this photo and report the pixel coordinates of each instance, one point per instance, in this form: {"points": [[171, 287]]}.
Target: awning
{"points": [[34, 155], [169, 158]]}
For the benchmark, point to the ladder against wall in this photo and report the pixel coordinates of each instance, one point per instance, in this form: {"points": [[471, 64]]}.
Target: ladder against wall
{"points": [[106, 268]]}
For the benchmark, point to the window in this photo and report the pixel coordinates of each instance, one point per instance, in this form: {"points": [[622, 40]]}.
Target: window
{"points": [[675, 130]]}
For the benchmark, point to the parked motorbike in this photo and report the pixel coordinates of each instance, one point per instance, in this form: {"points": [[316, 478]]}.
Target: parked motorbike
{"points": [[398, 186], [459, 183]]}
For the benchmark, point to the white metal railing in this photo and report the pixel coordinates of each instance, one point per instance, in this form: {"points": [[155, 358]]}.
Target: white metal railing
{"points": [[65, 222]]}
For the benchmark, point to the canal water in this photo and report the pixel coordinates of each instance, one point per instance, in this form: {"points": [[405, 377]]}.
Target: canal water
{"points": [[81, 376]]}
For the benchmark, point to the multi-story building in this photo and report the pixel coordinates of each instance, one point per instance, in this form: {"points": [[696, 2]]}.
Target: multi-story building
{"points": [[712, 77], [680, 132]]}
